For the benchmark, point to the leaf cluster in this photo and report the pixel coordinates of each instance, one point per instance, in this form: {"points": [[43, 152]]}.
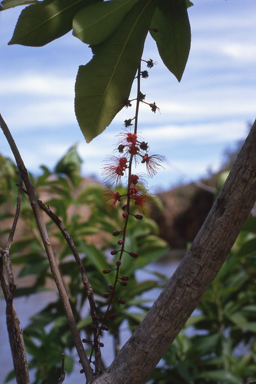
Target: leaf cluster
{"points": [[79, 204], [116, 31], [218, 344]]}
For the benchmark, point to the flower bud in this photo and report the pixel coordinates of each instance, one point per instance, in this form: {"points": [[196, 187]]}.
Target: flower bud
{"points": [[116, 233], [133, 254]]}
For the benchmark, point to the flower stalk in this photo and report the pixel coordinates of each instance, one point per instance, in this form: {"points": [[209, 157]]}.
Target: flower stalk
{"points": [[132, 150]]}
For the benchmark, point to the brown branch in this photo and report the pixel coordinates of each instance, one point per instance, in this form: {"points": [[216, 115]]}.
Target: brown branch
{"points": [[13, 324], [196, 271], [48, 248], [6, 252], [85, 281], [63, 373]]}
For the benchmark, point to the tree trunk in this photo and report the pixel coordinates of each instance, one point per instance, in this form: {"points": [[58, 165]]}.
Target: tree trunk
{"points": [[199, 267]]}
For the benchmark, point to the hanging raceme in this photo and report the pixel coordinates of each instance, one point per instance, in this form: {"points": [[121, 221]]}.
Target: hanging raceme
{"points": [[134, 202]]}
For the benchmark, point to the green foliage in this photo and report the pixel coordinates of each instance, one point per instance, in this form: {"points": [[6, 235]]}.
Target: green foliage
{"points": [[221, 347], [70, 165], [45, 21], [81, 208], [173, 34], [6, 4], [116, 31], [97, 22], [105, 82]]}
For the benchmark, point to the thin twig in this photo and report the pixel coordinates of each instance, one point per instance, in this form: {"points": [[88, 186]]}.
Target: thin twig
{"points": [[63, 373], [13, 324], [137, 100], [48, 248], [11, 235], [85, 280]]}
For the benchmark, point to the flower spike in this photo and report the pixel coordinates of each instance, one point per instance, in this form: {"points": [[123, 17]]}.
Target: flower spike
{"points": [[152, 163]]}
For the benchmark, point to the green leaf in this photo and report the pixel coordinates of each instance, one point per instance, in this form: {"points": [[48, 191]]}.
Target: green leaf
{"points": [[238, 319], [206, 344], [41, 23], [11, 375], [69, 364], [138, 317], [95, 23], [70, 165], [146, 256], [85, 322], [189, 3], [96, 257], [220, 375], [173, 34], [251, 327], [247, 248], [35, 267], [140, 288], [250, 224], [103, 85], [194, 320], [32, 348], [6, 4]]}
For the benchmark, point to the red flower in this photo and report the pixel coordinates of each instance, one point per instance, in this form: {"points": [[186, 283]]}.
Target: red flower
{"points": [[110, 198], [133, 179], [129, 144], [145, 203], [131, 138], [114, 172], [152, 163]]}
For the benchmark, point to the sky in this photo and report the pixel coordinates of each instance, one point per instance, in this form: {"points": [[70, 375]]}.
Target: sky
{"points": [[207, 112]]}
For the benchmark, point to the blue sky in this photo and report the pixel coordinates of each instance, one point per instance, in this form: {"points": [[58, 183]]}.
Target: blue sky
{"points": [[199, 117]]}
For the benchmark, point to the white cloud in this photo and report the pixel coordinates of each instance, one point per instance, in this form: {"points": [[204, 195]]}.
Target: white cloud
{"points": [[203, 133], [37, 84]]}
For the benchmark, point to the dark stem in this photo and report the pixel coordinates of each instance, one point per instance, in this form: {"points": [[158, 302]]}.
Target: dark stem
{"points": [[112, 296], [85, 279], [138, 100], [13, 324]]}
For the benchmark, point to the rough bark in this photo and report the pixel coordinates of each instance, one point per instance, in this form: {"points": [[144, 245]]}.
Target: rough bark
{"points": [[147, 345]]}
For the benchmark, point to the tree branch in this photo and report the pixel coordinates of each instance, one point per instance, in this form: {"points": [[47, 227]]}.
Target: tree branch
{"points": [[199, 267], [13, 324], [85, 281], [48, 248]]}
